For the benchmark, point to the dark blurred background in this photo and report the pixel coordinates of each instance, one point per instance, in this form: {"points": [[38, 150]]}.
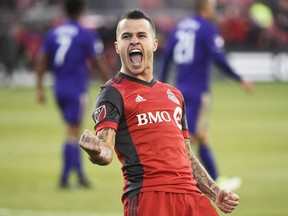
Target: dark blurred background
{"points": [[255, 32]]}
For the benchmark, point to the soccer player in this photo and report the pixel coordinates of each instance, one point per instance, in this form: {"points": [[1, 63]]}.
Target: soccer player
{"points": [[144, 121], [66, 50], [194, 45]]}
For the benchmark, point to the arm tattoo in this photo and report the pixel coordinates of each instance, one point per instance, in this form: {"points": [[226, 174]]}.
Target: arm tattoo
{"points": [[204, 182], [107, 137]]}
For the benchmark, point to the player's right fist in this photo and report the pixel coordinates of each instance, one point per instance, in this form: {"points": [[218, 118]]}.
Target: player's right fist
{"points": [[91, 144]]}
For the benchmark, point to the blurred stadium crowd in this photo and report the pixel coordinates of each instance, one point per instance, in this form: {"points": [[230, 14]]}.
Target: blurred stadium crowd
{"points": [[246, 25]]}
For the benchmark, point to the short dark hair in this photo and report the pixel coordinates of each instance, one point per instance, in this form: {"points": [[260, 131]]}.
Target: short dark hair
{"points": [[137, 14], [74, 7]]}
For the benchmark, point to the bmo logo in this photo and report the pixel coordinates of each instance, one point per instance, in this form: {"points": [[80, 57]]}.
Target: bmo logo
{"points": [[160, 116]]}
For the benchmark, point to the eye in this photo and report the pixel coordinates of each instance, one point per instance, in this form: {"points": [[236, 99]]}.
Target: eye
{"points": [[142, 35], [125, 36]]}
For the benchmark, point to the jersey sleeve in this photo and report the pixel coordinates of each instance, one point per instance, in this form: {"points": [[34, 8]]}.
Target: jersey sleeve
{"points": [[108, 109], [215, 44]]}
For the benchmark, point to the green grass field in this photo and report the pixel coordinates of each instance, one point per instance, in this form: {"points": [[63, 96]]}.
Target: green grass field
{"points": [[249, 134]]}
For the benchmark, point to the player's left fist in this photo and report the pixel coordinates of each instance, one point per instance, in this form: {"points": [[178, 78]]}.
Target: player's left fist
{"points": [[227, 201]]}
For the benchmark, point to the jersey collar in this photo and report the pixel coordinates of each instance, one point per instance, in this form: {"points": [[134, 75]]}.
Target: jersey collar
{"points": [[150, 84]]}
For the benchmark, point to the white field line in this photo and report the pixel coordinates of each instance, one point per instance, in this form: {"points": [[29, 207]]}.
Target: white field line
{"points": [[24, 212]]}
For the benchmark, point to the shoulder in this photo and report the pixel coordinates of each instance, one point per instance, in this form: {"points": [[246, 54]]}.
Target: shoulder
{"points": [[79, 29], [84, 32], [190, 22], [165, 85], [202, 23], [197, 24], [110, 96], [111, 88], [210, 26], [113, 82], [171, 88], [50, 32], [49, 38]]}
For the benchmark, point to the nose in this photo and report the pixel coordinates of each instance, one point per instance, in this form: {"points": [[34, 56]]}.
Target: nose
{"points": [[134, 40]]}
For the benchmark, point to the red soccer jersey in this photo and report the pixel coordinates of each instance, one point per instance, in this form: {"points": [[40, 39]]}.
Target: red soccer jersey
{"points": [[151, 125]]}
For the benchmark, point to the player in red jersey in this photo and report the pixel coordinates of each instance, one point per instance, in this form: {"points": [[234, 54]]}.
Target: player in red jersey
{"points": [[144, 120]]}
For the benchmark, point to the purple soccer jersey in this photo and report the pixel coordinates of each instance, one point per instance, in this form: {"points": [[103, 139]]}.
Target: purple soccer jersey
{"points": [[69, 46], [194, 45]]}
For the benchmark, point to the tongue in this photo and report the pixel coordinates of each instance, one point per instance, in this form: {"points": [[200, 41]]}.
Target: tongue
{"points": [[136, 58]]}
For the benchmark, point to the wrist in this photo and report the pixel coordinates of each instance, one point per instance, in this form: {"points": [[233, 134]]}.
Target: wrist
{"points": [[215, 190]]}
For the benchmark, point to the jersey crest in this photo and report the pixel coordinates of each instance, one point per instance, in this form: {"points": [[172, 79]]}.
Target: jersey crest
{"points": [[99, 113], [172, 97]]}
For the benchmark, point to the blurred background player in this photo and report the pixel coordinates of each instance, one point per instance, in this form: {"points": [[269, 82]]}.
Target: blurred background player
{"points": [[66, 50], [194, 45]]}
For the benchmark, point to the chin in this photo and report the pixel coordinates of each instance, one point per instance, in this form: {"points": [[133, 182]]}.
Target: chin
{"points": [[137, 69]]}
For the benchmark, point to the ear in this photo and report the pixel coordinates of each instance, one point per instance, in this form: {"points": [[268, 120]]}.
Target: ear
{"points": [[155, 45], [116, 47]]}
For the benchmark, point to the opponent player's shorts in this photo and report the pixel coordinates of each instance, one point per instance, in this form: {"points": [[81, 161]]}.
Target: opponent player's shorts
{"points": [[197, 111], [158, 203], [72, 106]]}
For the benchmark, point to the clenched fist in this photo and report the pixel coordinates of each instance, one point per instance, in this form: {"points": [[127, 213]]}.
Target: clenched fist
{"points": [[91, 144], [99, 147], [227, 201]]}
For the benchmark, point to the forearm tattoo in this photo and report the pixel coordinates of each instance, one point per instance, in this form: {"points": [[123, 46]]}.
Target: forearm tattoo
{"points": [[107, 137], [204, 182]]}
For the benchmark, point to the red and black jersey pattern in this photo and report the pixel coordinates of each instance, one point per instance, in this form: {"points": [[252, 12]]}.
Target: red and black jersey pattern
{"points": [[151, 125]]}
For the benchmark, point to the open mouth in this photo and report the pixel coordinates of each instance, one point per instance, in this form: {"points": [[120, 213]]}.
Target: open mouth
{"points": [[136, 56]]}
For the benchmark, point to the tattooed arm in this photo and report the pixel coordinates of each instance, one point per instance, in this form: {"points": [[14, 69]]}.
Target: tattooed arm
{"points": [[99, 147], [225, 200], [204, 182]]}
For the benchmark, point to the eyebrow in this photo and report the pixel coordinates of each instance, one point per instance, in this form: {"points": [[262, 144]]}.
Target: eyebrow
{"points": [[138, 33]]}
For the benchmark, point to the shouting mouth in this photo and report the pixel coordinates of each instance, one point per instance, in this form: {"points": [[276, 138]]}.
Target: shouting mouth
{"points": [[135, 56]]}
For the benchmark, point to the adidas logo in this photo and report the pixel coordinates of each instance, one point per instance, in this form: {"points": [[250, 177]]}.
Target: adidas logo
{"points": [[139, 99]]}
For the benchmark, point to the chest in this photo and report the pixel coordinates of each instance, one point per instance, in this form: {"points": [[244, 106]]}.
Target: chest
{"points": [[152, 107]]}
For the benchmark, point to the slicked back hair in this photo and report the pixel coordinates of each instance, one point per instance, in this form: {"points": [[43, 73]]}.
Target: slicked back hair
{"points": [[135, 15]]}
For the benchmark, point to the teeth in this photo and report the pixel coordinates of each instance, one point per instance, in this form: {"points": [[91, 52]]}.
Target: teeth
{"points": [[135, 51]]}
